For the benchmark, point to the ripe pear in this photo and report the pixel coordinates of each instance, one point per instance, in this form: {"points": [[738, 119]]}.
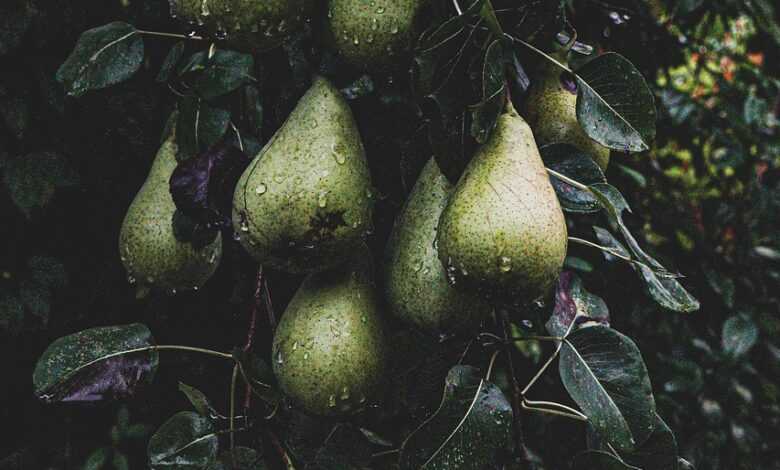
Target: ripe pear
{"points": [[416, 286], [373, 34], [502, 232], [152, 255], [551, 110], [305, 201], [329, 347], [255, 25]]}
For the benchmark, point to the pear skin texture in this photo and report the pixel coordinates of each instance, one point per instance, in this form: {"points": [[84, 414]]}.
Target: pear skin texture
{"points": [[416, 287], [252, 25], [502, 232], [329, 350], [150, 252], [305, 202], [551, 111], [374, 34]]}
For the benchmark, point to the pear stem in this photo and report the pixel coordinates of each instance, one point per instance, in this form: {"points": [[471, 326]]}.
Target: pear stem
{"points": [[457, 7]]}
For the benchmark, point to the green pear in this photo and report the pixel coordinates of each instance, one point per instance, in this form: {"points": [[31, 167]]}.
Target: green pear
{"points": [[329, 347], [551, 110], [374, 34], [152, 255], [255, 25], [502, 232], [305, 201], [416, 286]]}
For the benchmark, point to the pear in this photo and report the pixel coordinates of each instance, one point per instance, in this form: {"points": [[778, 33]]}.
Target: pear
{"points": [[329, 347], [416, 286], [305, 201], [502, 232], [254, 25], [374, 34], [150, 252], [551, 110]]}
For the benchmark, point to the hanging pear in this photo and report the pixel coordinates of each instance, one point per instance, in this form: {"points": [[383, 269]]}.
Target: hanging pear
{"points": [[416, 286], [151, 254], [305, 201], [329, 347], [376, 34], [254, 25], [502, 232], [551, 110]]}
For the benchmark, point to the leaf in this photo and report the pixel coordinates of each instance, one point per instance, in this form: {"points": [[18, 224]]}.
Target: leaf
{"points": [[571, 162], [604, 373], [224, 72], [186, 441], [345, 448], [473, 423], [33, 180], [614, 104], [47, 271], [11, 312], [199, 126], [599, 460], [574, 304], [739, 335], [259, 376], [239, 458], [489, 15], [37, 298], [659, 452], [171, 61], [199, 401], [97, 459], [103, 56], [96, 364], [484, 114]]}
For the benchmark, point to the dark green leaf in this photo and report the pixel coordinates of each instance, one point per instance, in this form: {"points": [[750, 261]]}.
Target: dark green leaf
{"points": [[239, 458], [120, 461], [636, 176], [187, 441], [599, 460], [473, 423], [33, 180], [485, 113], [37, 298], [97, 459], [740, 333], [604, 373], [95, 364], [47, 271], [253, 113], [103, 56], [579, 264], [571, 162], [659, 452], [614, 104], [171, 61], [488, 14], [345, 448], [199, 126], [574, 304], [199, 401], [225, 71]]}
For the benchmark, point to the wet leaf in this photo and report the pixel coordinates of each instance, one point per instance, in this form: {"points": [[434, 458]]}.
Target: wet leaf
{"points": [[485, 113], [473, 423], [614, 104], [171, 61], [96, 364], [199, 126], [739, 335], [186, 441], [604, 373], [103, 56], [659, 452], [571, 162], [47, 271], [345, 448], [199, 401], [224, 72], [574, 304], [33, 180]]}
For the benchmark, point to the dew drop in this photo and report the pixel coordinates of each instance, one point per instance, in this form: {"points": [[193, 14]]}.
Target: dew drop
{"points": [[332, 401], [322, 199], [131, 280], [279, 358], [345, 393], [279, 179], [261, 189], [504, 264], [380, 9]]}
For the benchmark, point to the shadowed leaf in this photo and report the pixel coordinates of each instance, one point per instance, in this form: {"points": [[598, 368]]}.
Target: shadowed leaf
{"points": [[569, 161], [574, 304], [187, 441]]}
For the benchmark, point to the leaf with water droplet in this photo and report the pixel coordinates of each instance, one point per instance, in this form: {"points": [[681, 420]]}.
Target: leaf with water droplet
{"points": [[187, 440]]}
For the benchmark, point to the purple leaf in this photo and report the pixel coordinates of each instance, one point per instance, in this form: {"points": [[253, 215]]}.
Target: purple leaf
{"points": [[202, 186], [574, 304], [96, 364]]}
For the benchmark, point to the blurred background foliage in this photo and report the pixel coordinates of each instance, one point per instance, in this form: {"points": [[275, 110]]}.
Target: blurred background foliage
{"points": [[705, 200]]}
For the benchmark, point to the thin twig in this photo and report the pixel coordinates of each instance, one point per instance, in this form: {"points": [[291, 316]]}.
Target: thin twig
{"points": [[540, 403], [568, 180], [233, 380], [517, 396], [553, 412], [251, 330], [168, 35], [457, 7], [490, 366]]}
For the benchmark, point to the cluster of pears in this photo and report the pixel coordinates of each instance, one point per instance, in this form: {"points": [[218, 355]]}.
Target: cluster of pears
{"points": [[369, 34], [551, 110]]}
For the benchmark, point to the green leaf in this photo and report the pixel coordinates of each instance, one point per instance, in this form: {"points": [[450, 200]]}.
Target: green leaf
{"points": [[95, 364], [599, 460], [484, 114], [659, 452], [33, 180], [739, 335], [489, 15], [224, 72], [636, 176], [579, 264], [614, 104], [103, 56], [473, 423], [171, 61], [345, 448], [97, 459], [199, 400], [239, 458], [120, 461], [571, 162], [604, 373], [187, 441], [199, 126]]}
